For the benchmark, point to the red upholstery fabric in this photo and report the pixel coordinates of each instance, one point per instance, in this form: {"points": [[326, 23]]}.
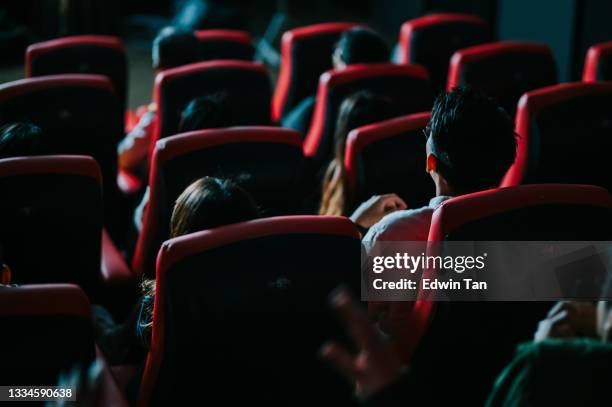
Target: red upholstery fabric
{"points": [[406, 85], [225, 44], [431, 41], [45, 299], [84, 54], [243, 238], [464, 209], [597, 65], [504, 70], [289, 90], [176, 147], [247, 85], [365, 174], [532, 106]]}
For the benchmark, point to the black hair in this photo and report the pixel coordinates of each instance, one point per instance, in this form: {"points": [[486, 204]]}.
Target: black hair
{"points": [[174, 47], [362, 46], [20, 139], [206, 112], [473, 140]]}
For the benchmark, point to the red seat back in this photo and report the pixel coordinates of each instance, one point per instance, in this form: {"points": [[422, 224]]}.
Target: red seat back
{"points": [[270, 156], [78, 114], [47, 331], [251, 294], [565, 135], [81, 54], [503, 70], [246, 84], [51, 217], [224, 44], [598, 63], [432, 40], [306, 53], [389, 157], [406, 85]]}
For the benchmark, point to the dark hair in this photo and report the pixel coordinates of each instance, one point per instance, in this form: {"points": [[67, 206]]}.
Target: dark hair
{"points": [[362, 46], [473, 140], [205, 112], [20, 139], [211, 202], [174, 47], [356, 110], [207, 203]]}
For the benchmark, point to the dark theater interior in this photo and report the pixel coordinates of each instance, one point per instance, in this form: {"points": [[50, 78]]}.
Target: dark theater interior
{"points": [[378, 203]]}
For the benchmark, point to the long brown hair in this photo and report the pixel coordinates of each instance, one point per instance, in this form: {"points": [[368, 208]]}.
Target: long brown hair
{"points": [[207, 203], [357, 110]]}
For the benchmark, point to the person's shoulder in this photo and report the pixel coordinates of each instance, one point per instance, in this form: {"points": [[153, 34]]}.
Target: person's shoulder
{"points": [[408, 224]]}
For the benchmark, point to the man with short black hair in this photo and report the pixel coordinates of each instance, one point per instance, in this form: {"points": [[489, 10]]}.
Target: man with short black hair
{"points": [[471, 143]]}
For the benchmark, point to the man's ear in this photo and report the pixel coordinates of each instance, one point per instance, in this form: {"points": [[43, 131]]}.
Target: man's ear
{"points": [[432, 163]]}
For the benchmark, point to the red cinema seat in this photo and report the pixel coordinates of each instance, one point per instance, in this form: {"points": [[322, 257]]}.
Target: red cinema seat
{"points": [[503, 70], [48, 333], [245, 296], [598, 63], [565, 135], [51, 223], [51, 219], [525, 213], [78, 114], [271, 157], [389, 157], [306, 53], [246, 84], [535, 212], [224, 44], [406, 85], [432, 40], [81, 54], [47, 329]]}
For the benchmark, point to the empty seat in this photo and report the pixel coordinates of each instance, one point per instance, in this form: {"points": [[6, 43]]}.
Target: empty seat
{"points": [[271, 157], [389, 157], [565, 135], [598, 63], [406, 85], [78, 114], [432, 40], [51, 219], [224, 44], [47, 331], [81, 54], [246, 84], [250, 296], [503, 70], [306, 53]]}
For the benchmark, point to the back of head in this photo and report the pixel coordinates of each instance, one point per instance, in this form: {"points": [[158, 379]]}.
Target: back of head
{"points": [[174, 47], [211, 202], [473, 140], [206, 112], [359, 109], [20, 139], [361, 46]]}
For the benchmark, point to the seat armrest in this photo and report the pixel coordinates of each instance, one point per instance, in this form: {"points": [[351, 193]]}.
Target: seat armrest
{"points": [[114, 268]]}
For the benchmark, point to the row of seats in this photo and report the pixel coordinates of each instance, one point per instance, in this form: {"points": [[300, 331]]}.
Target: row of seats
{"points": [[106, 55], [564, 136], [192, 271]]}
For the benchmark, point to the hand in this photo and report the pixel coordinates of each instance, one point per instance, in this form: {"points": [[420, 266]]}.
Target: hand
{"points": [[373, 210], [377, 365], [567, 320]]}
